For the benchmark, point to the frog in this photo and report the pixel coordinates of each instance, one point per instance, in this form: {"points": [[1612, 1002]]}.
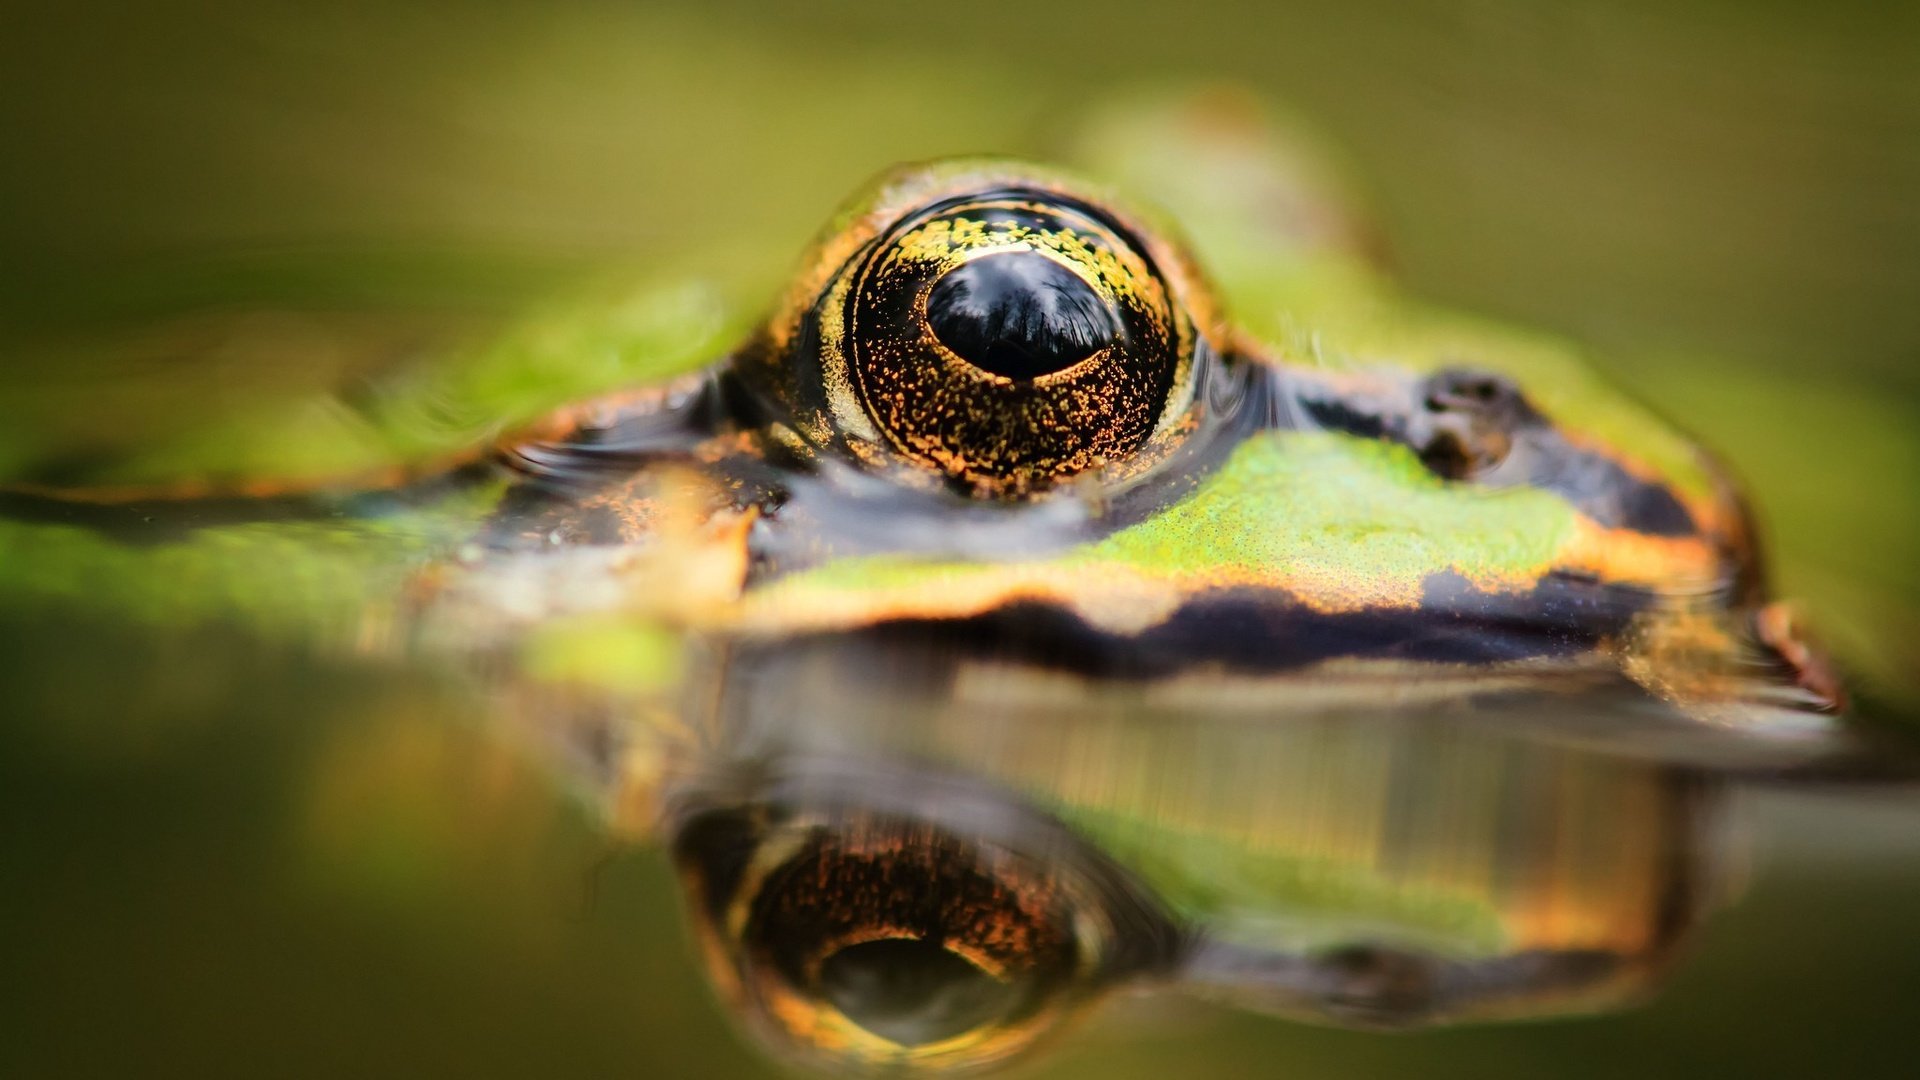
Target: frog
{"points": [[1006, 427], [998, 405], [997, 399]]}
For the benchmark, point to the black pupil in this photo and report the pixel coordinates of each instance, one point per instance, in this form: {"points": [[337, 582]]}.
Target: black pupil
{"points": [[1019, 314], [912, 992]]}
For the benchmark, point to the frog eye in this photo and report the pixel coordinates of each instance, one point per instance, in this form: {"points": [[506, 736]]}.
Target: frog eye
{"points": [[1006, 338], [886, 942]]}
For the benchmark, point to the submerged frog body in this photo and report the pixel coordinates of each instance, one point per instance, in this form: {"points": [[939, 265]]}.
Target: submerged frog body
{"points": [[1002, 463]]}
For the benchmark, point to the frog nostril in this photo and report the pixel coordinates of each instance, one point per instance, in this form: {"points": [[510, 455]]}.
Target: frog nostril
{"points": [[1020, 315], [1466, 390], [1468, 423]]}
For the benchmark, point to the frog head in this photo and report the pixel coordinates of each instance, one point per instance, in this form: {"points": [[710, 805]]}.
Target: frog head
{"points": [[999, 405]]}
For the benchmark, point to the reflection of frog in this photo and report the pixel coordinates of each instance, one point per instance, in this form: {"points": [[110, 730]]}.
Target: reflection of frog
{"points": [[1001, 432], [883, 875]]}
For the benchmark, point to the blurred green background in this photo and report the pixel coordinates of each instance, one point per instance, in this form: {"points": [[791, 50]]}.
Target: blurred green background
{"points": [[350, 878]]}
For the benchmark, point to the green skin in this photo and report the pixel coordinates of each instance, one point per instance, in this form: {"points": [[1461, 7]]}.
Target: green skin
{"points": [[1351, 508]]}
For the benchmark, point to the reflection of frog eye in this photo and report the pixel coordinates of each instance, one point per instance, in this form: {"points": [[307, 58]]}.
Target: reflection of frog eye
{"points": [[1006, 338], [882, 941]]}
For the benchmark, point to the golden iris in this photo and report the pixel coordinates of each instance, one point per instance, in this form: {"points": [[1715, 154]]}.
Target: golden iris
{"points": [[1006, 338]]}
